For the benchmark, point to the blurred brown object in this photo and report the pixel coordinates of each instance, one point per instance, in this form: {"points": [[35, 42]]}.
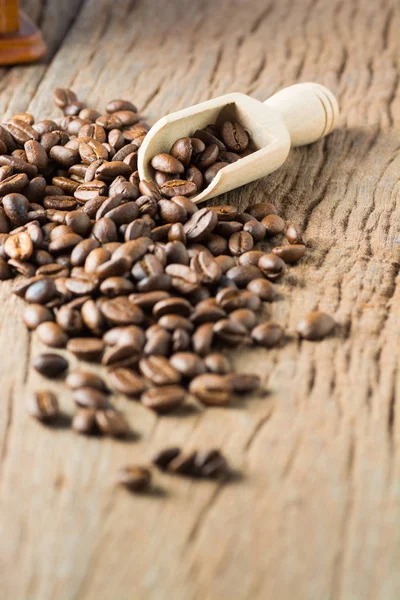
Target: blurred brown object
{"points": [[20, 40]]}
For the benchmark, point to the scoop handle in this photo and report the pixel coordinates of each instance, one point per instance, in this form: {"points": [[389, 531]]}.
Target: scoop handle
{"points": [[309, 110]]}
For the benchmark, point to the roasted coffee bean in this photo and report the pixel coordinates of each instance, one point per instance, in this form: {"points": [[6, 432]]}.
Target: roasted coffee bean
{"points": [[177, 187], [163, 458], [50, 365], [90, 397], [217, 363], [85, 379], [167, 164], [315, 326], [159, 371], [230, 331], [131, 335], [19, 246], [207, 158], [62, 97], [18, 165], [290, 254], [208, 138], [135, 478], [294, 235], [89, 349], [211, 389], [16, 208], [117, 105], [116, 286], [243, 274], [251, 258], [113, 423], [188, 364], [261, 209], [164, 399], [172, 305], [256, 229], [182, 151], [212, 171], [245, 317], [70, 320], [200, 224], [43, 405], [234, 136], [207, 312], [120, 355], [35, 314], [206, 268], [84, 421], [120, 311], [202, 339], [273, 224], [13, 183], [52, 335], [240, 242], [272, 266], [183, 279], [41, 291], [243, 383], [184, 464], [267, 334], [263, 288], [126, 382]]}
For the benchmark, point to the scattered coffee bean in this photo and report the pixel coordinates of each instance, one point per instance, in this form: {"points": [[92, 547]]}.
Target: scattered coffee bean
{"points": [[50, 365], [316, 326], [135, 478], [267, 334], [164, 399], [43, 405]]}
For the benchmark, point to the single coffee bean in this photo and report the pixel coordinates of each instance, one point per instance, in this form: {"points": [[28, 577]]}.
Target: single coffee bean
{"points": [[90, 397], [126, 382], [164, 399], [135, 478], [263, 288], [41, 291], [89, 349], [159, 371], [290, 254], [120, 354], [70, 320], [188, 364], [43, 405], [16, 208], [202, 339], [240, 242], [62, 97], [117, 105], [84, 421], [243, 274], [217, 363], [50, 365], [245, 317], [51, 334], [178, 187], [315, 326], [131, 335], [182, 150], [243, 383], [272, 266], [85, 379], [113, 423], [14, 183], [267, 334], [120, 311], [184, 464], [200, 224], [256, 229], [273, 224], [167, 164], [207, 158], [294, 235], [234, 136], [19, 246], [211, 389], [261, 209], [35, 314], [163, 458], [230, 331]]}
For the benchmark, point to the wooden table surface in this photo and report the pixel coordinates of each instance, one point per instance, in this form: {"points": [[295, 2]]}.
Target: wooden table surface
{"points": [[315, 514]]}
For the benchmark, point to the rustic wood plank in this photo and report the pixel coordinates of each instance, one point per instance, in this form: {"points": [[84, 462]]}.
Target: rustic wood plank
{"points": [[315, 515]]}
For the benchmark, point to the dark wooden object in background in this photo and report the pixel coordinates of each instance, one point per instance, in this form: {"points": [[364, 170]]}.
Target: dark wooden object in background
{"points": [[316, 516], [20, 40]]}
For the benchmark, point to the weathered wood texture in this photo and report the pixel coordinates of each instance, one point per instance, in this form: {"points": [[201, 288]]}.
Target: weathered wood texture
{"points": [[316, 514]]}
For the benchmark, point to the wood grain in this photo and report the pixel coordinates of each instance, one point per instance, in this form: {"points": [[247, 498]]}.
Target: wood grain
{"points": [[315, 514]]}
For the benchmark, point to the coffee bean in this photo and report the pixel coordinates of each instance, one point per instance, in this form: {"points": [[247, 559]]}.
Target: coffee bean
{"points": [[51, 334], [202, 339], [43, 405], [90, 397], [117, 105], [273, 224], [294, 234], [167, 164], [163, 458], [245, 317], [272, 266], [182, 151], [207, 158], [267, 334], [206, 268], [120, 311], [263, 288], [243, 383], [184, 464], [120, 354], [16, 208], [200, 224], [50, 365], [70, 320], [230, 331], [85, 421], [159, 371], [243, 274], [217, 363], [240, 242], [112, 423], [35, 314], [164, 399], [135, 478], [177, 187], [19, 246], [234, 136], [86, 348], [315, 326], [13, 183], [126, 382], [85, 379], [290, 254], [261, 209], [62, 97], [188, 364], [211, 389], [41, 291]]}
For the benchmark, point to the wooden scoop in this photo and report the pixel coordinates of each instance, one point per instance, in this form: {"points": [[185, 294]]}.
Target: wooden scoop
{"points": [[295, 116]]}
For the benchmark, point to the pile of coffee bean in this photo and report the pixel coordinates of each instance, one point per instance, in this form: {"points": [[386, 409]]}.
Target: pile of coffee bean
{"points": [[132, 274], [193, 162]]}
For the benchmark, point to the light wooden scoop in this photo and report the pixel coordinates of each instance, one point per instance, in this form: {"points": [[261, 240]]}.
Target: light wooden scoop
{"points": [[295, 116]]}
